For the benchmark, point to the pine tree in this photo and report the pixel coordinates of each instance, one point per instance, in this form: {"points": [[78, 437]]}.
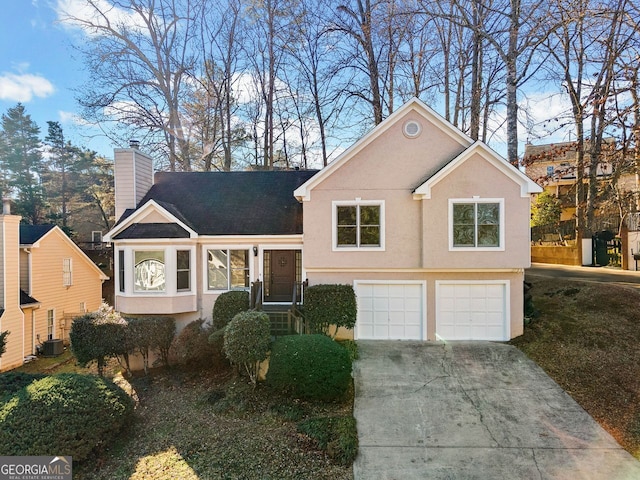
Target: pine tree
{"points": [[22, 163]]}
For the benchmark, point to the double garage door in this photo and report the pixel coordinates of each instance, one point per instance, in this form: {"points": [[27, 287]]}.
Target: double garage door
{"points": [[464, 310]]}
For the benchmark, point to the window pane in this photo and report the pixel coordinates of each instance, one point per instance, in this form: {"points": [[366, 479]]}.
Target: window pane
{"points": [[463, 214], [369, 215], [370, 236], [488, 214], [183, 257], [488, 224], [217, 270], [346, 236], [183, 274], [121, 269], [488, 235], [464, 225], [149, 271], [183, 280], [239, 269], [347, 216]]}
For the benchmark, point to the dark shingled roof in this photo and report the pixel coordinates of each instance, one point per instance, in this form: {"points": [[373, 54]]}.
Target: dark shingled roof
{"points": [[25, 299], [231, 203], [153, 230], [30, 234]]}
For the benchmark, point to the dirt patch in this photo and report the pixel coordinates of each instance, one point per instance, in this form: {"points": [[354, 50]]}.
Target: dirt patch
{"points": [[586, 336]]}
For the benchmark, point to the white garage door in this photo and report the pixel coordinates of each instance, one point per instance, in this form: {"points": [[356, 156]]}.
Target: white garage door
{"points": [[390, 311], [471, 311]]}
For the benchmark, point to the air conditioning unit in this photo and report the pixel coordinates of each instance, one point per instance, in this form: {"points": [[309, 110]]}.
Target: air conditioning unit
{"points": [[52, 348]]}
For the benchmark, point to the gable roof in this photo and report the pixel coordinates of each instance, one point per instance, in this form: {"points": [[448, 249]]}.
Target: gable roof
{"points": [[527, 186], [31, 234], [220, 203], [152, 230], [416, 105]]}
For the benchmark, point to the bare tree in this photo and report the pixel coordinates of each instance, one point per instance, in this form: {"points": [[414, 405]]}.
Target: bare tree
{"points": [[139, 56]]}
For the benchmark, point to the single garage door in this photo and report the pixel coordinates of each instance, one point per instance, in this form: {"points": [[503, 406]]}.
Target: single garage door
{"points": [[390, 311], [471, 311]]}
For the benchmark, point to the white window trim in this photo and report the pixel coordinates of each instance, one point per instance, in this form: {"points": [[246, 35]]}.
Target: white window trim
{"points": [[67, 272], [334, 225], [53, 324], [475, 200], [205, 268], [166, 271]]}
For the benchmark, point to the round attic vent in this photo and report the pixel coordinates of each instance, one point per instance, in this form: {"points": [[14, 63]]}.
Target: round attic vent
{"points": [[412, 129]]}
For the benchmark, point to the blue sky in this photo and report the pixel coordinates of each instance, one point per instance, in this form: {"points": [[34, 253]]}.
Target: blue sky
{"points": [[39, 68]]}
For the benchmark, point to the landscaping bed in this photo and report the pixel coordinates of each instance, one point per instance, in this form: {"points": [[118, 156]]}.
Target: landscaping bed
{"points": [[192, 425], [586, 336]]}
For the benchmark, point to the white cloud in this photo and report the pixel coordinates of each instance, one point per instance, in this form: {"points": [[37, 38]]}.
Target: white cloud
{"points": [[71, 117], [87, 15], [23, 87]]}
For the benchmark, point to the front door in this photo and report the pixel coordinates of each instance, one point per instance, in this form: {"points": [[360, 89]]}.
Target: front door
{"points": [[280, 265]]}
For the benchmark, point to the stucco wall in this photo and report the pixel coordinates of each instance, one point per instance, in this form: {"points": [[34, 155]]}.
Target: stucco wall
{"points": [[476, 177]]}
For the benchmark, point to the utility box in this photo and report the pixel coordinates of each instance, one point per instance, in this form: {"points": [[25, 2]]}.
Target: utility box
{"points": [[52, 348]]}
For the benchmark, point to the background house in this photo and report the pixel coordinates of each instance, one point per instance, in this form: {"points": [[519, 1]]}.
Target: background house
{"points": [[46, 281], [553, 167], [430, 227]]}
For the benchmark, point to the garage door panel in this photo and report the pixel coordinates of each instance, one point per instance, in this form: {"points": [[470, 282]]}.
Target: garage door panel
{"points": [[393, 311], [471, 311]]}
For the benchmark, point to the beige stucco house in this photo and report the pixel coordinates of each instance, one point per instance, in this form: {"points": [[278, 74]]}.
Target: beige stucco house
{"points": [[430, 228], [45, 281]]}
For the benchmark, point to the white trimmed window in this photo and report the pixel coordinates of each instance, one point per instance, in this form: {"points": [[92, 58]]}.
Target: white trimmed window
{"points": [[228, 269], [476, 224], [50, 324], [183, 270], [67, 272], [149, 271], [358, 225]]}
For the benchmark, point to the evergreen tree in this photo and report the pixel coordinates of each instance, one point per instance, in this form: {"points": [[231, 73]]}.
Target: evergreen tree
{"points": [[22, 164]]}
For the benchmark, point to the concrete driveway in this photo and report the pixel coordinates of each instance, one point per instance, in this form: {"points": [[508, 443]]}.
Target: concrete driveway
{"points": [[473, 410]]}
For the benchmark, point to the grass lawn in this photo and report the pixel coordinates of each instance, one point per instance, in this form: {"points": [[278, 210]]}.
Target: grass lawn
{"points": [[586, 336], [208, 425]]}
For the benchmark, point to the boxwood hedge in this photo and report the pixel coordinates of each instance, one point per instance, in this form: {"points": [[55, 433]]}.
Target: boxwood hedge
{"points": [[67, 414], [312, 367]]}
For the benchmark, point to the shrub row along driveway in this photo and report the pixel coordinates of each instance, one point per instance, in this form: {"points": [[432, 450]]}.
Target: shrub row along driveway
{"points": [[472, 410]]}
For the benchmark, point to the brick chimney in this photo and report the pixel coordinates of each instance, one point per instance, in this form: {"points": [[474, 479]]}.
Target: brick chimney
{"points": [[133, 171]]}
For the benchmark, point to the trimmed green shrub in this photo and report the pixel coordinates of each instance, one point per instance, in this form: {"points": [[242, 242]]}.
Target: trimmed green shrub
{"points": [[326, 305], [3, 341], [99, 335], [247, 339], [162, 333], [310, 367], [337, 436], [227, 306], [11, 382], [67, 413], [191, 347], [149, 333]]}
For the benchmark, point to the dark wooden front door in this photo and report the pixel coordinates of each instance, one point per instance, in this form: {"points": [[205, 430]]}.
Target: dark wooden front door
{"points": [[282, 275]]}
